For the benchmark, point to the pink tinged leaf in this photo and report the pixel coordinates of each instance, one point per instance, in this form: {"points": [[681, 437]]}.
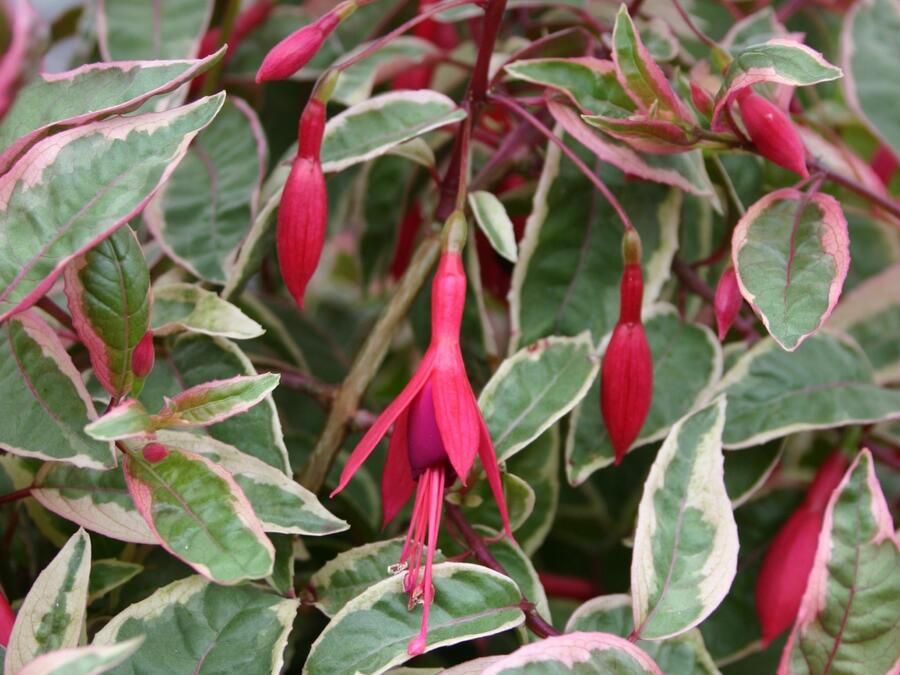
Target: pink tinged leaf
{"points": [[397, 484], [215, 401], [455, 409], [384, 421], [25, 30], [492, 471], [727, 301], [297, 49], [645, 134], [772, 132], [701, 99]]}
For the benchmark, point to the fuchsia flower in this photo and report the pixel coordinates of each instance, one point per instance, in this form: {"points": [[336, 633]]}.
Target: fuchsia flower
{"points": [[438, 430], [626, 375], [727, 301], [789, 559], [772, 132]]}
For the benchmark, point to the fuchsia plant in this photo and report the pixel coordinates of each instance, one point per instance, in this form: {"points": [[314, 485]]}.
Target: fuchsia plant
{"points": [[586, 288]]}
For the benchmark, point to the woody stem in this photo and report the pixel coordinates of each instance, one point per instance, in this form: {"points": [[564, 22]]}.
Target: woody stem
{"points": [[535, 623], [886, 203]]}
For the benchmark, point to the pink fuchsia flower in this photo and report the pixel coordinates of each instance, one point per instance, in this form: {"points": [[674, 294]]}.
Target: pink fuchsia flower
{"points": [[789, 559], [626, 374], [772, 132], [727, 301], [438, 430]]}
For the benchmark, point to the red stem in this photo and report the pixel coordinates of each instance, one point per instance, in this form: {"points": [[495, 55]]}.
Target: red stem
{"points": [[15, 496], [889, 205]]}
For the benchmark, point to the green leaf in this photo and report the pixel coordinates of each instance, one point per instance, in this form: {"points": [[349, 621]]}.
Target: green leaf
{"points": [[41, 384], [188, 307], [126, 420], [352, 572], [847, 621], [109, 574], [479, 505], [193, 626], [570, 263], [538, 466], [791, 252], [109, 170], [682, 655], [492, 219], [91, 660], [685, 543], [96, 500], [216, 188], [281, 504], [825, 383], [535, 387], [356, 82], [124, 28], [747, 472], [752, 30], [108, 293], [52, 614], [869, 48], [371, 128], [216, 401], [687, 362], [371, 632], [576, 653], [200, 515]]}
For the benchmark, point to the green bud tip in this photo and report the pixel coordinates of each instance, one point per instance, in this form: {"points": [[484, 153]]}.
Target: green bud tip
{"points": [[631, 247], [453, 236], [325, 85]]}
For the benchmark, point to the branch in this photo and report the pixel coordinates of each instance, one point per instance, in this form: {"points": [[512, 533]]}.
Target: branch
{"points": [[889, 205], [536, 624], [15, 496], [56, 312]]}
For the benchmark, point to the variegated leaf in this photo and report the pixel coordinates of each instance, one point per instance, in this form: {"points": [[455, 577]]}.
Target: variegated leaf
{"points": [[25, 33], [188, 307], [90, 660], [791, 252], [44, 233], [847, 621], [41, 384], [491, 217], [126, 420], [356, 82], [371, 632], [216, 401], [685, 543], [538, 466], [52, 615], [193, 626], [166, 29]]}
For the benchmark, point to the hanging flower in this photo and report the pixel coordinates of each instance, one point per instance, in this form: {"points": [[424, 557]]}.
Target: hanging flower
{"points": [[772, 132], [438, 430]]}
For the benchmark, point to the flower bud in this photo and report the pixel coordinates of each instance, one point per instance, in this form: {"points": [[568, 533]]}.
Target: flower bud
{"points": [[884, 164], [155, 452], [7, 619], [701, 99], [298, 48], [772, 132], [727, 302], [143, 356]]}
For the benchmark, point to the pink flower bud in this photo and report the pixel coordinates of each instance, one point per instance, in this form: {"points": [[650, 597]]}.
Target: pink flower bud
{"points": [[701, 99], [785, 569], [143, 356], [884, 164], [7, 619], [727, 302], [155, 452], [298, 48], [772, 132]]}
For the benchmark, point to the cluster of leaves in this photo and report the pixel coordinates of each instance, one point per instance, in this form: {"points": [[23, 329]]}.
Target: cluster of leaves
{"points": [[167, 519]]}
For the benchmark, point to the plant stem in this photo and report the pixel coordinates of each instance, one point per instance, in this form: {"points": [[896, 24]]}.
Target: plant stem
{"points": [[535, 623], [694, 283], [211, 81], [366, 364], [15, 496], [887, 204], [568, 152], [56, 312]]}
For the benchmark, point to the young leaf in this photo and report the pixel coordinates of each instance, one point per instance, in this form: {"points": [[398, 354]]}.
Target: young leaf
{"points": [[491, 217], [825, 383], [90, 660], [200, 515], [126, 420], [211, 402], [52, 615], [371, 632], [41, 384], [188, 307], [576, 652], [122, 28], [535, 387], [110, 170], [108, 293], [643, 133], [193, 626], [848, 616], [791, 253], [685, 543]]}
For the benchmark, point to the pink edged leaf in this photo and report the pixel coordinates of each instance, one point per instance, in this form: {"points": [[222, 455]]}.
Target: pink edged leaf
{"points": [[587, 652], [109, 169], [645, 134], [215, 401], [397, 484], [837, 157], [127, 420], [455, 408], [55, 101], [780, 61], [791, 252], [492, 471], [388, 416], [642, 78], [848, 616], [45, 400], [25, 33], [200, 515]]}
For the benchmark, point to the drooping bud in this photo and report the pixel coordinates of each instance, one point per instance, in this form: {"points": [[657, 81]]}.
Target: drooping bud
{"points": [[727, 301], [626, 376], [789, 559], [772, 132], [155, 452], [425, 446], [702, 100], [143, 356], [7, 619], [298, 48]]}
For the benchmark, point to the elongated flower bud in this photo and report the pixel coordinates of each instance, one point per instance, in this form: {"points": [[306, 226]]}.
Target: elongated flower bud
{"points": [[7, 619], [727, 302], [772, 132], [701, 99], [626, 376], [785, 569], [884, 164], [298, 48], [143, 356], [155, 452]]}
